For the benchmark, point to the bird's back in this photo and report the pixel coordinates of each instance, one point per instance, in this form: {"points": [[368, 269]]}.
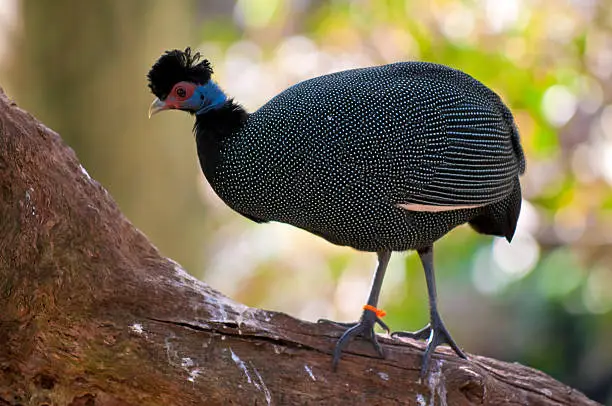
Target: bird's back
{"points": [[352, 155]]}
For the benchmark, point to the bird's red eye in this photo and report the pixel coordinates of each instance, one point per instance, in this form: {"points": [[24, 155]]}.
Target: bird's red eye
{"points": [[180, 92]]}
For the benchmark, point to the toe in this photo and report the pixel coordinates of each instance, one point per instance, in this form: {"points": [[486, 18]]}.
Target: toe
{"points": [[383, 325], [442, 336], [364, 328], [422, 334], [336, 323]]}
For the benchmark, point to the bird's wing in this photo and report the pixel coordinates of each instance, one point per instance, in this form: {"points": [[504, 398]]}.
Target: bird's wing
{"points": [[463, 150], [426, 136]]}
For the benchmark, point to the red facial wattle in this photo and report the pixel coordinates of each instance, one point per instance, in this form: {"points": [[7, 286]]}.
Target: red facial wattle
{"points": [[181, 92], [177, 98], [191, 97]]}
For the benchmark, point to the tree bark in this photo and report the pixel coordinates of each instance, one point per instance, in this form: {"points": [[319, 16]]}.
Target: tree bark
{"points": [[91, 314]]}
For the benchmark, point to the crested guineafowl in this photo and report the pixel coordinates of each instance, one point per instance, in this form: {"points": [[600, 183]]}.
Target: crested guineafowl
{"points": [[381, 159]]}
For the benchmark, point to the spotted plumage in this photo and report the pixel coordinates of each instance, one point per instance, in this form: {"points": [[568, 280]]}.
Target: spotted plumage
{"points": [[387, 158], [337, 155]]}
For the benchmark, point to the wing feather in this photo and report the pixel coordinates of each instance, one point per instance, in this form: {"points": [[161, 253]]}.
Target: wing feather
{"points": [[470, 157]]}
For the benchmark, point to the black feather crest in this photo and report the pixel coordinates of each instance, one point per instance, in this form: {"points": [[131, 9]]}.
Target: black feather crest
{"points": [[177, 66]]}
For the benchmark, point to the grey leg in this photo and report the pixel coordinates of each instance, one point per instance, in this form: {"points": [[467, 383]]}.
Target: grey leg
{"points": [[365, 326], [435, 332]]}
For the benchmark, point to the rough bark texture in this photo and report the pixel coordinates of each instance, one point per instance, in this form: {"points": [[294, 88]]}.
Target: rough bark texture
{"points": [[91, 314]]}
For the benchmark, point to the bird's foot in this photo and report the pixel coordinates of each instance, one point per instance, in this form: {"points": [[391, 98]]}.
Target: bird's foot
{"points": [[364, 328], [436, 334]]}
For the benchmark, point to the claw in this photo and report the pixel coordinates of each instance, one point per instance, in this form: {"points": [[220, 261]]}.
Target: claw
{"points": [[383, 325], [436, 335], [357, 330], [363, 328]]}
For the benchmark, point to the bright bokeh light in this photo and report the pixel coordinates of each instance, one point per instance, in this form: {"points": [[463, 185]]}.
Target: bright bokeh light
{"points": [[591, 95], [559, 105], [502, 15], [518, 258], [457, 21], [605, 122], [596, 295], [570, 224], [255, 13], [585, 164], [606, 159], [298, 56], [497, 266]]}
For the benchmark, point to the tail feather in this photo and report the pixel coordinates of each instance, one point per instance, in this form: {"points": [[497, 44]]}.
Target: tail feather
{"points": [[516, 139], [500, 218]]}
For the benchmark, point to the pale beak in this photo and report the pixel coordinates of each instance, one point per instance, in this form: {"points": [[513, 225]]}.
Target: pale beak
{"points": [[156, 107]]}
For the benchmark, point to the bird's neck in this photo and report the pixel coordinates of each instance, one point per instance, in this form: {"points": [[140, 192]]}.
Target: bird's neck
{"points": [[213, 94], [211, 128]]}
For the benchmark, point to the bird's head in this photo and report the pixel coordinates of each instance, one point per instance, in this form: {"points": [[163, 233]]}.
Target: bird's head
{"points": [[181, 81]]}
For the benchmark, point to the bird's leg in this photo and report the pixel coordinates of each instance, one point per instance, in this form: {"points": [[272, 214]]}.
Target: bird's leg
{"points": [[435, 332], [369, 318]]}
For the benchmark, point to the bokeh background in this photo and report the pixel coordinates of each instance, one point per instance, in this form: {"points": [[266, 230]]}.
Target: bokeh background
{"points": [[545, 300]]}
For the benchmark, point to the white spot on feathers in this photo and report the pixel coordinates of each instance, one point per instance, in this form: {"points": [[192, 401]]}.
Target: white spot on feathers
{"points": [[435, 135]]}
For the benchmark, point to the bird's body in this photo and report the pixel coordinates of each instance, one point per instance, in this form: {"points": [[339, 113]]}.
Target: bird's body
{"points": [[427, 137], [387, 158]]}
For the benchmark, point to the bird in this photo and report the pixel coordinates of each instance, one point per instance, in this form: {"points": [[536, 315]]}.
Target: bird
{"points": [[382, 159]]}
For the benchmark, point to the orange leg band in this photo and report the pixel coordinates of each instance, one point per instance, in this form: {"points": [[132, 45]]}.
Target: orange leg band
{"points": [[379, 312]]}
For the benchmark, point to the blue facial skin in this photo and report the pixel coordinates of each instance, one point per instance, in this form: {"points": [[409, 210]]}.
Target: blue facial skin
{"points": [[205, 98]]}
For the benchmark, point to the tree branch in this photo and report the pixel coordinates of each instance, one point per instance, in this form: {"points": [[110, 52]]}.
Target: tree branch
{"points": [[91, 314]]}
